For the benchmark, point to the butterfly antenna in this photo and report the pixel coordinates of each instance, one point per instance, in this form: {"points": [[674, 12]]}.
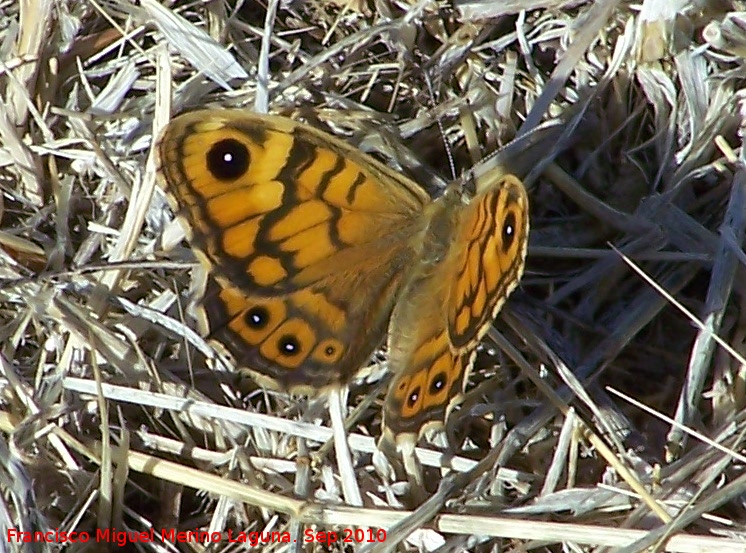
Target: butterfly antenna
{"points": [[447, 146]]}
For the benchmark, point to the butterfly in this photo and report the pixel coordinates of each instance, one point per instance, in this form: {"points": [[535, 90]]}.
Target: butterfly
{"points": [[316, 252]]}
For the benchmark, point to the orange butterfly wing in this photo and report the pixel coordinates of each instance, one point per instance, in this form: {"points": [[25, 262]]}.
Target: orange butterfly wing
{"points": [[493, 239], [276, 205], [432, 344], [306, 237]]}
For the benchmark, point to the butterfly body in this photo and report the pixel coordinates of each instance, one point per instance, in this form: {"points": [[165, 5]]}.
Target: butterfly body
{"points": [[317, 251]]}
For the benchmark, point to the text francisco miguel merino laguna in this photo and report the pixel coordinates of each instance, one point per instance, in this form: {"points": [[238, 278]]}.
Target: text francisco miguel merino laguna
{"points": [[120, 537]]}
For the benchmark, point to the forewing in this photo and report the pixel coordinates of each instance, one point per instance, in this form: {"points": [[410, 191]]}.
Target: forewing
{"points": [[275, 205], [490, 244]]}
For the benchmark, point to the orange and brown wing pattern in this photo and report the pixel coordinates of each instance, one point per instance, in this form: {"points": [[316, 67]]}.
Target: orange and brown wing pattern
{"points": [[275, 205], [307, 241], [472, 259], [429, 383], [299, 341], [491, 240]]}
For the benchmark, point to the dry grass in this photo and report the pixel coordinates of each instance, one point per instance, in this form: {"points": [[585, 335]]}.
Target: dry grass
{"points": [[623, 119]]}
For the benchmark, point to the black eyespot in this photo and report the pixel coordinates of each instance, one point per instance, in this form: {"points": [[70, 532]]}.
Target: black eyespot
{"points": [[414, 396], [509, 231], [330, 351], [438, 382], [228, 159], [288, 345], [257, 317]]}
